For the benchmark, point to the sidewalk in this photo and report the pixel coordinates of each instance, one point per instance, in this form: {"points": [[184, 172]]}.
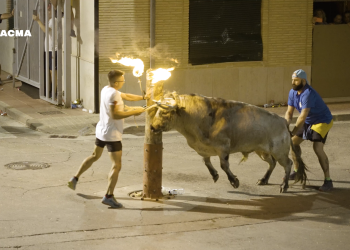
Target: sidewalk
{"points": [[48, 118]]}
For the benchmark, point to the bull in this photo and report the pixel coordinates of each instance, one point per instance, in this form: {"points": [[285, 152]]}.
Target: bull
{"points": [[218, 127]]}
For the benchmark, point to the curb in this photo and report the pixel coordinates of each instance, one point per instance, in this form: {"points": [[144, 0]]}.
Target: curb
{"points": [[15, 113]]}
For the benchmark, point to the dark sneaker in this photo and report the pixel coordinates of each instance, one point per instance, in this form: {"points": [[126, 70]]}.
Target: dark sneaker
{"points": [[327, 186], [112, 202], [292, 176], [1, 83], [72, 183]]}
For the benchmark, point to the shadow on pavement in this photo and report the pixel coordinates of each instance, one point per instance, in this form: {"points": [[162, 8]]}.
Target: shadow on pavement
{"points": [[89, 197], [15, 130], [267, 207]]}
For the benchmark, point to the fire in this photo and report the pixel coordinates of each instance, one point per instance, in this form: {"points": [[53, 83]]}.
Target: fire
{"points": [[159, 74], [136, 63]]}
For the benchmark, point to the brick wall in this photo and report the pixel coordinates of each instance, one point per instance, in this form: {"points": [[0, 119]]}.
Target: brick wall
{"points": [[286, 32], [287, 46], [124, 28], [289, 28]]}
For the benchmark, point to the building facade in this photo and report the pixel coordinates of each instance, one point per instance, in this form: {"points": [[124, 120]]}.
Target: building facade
{"points": [[286, 31]]}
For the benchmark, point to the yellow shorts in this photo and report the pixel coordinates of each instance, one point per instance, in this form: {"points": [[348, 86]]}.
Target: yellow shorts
{"points": [[322, 128]]}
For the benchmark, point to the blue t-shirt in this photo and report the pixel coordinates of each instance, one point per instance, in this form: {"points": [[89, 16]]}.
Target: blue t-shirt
{"points": [[309, 98]]}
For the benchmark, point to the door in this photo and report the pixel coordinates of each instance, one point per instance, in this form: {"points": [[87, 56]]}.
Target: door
{"points": [[29, 50], [331, 60]]}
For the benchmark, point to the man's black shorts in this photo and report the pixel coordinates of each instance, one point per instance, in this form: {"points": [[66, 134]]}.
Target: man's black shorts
{"points": [[112, 146], [308, 134]]}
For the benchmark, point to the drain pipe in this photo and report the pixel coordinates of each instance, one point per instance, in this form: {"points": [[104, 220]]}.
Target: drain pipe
{"points": [[96, 60], [152, 30]]}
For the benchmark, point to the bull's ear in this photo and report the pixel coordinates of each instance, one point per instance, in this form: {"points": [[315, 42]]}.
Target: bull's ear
{"points": [[179, 100], [175, 95], [181, 103]]}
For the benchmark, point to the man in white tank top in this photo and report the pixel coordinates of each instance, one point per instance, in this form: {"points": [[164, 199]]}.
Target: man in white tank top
{"points": [[109, 131]]}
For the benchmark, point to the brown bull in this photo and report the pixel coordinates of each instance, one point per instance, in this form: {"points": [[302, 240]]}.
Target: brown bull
{"points": [[216, 127]]}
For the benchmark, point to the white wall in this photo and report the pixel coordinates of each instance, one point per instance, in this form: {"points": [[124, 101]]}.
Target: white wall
{"points": [[6, 43], [83, 54]]}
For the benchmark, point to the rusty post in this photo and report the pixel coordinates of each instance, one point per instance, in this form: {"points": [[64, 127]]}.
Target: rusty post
{"points": [[153, 148]]}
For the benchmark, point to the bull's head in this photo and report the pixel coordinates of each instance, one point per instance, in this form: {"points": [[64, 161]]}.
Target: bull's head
{"points": [[164, 119]]}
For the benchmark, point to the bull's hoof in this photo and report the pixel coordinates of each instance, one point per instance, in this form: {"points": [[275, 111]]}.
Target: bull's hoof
{"points": [[235, 183], [262, 182], [283, 189], [215, 178]]}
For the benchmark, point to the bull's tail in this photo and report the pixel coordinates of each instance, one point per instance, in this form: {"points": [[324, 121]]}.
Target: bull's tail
{"points": [[301, 173]]}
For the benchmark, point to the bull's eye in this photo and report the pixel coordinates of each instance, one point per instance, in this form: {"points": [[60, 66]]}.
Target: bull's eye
{"points": [[165, 114]]}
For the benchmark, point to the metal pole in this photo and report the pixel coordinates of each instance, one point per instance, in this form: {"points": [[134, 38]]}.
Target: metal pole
{"points": [[28, 39], [53, 61], [67, 54], [41, 51], [14, 49], [59, 53], [47, 49], [96, 61]]}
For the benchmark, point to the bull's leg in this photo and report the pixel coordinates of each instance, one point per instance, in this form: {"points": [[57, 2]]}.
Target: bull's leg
{"points": [[272, 164], [225, 165], [287, 164], [211, 169]]}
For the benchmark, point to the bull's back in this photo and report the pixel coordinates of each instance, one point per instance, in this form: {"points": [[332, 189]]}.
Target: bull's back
{"points": [[254, 129], [240, 126]]}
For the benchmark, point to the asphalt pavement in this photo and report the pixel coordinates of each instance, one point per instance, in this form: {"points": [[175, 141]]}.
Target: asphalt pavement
{"points": [[38, 210]]}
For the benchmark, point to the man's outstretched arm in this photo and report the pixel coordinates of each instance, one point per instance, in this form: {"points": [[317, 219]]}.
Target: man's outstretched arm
{"points": [[117, 111], [301, 120], [7, 15], [41, 25]]}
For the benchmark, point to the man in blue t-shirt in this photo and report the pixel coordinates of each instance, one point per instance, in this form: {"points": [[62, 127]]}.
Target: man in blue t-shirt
{"points": [[313, 124]]}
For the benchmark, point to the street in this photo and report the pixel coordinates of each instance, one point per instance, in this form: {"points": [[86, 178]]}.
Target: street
{"points": [[38, 210]]}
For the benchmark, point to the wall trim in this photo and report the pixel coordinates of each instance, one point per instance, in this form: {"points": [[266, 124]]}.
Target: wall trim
{"points": [[336, 99]]}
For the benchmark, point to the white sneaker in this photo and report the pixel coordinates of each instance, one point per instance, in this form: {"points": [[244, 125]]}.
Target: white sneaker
{"points": [[72, 183], [112, 202]]}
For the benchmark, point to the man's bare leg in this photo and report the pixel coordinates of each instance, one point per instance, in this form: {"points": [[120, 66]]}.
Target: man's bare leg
{"points": [[322, 158], [72, 183], [89, 161], [116, 158]]}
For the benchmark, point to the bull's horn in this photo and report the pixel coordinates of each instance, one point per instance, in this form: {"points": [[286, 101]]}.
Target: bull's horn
{"points": [[165, 106], [151, 107]]}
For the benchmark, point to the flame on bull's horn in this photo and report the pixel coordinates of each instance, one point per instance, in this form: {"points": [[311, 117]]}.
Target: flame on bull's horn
{"points": [[136, 63], [159, 74]]}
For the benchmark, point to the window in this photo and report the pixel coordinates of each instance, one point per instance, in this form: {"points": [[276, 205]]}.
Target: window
{"points": [[224, 31], [329, 10]]}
